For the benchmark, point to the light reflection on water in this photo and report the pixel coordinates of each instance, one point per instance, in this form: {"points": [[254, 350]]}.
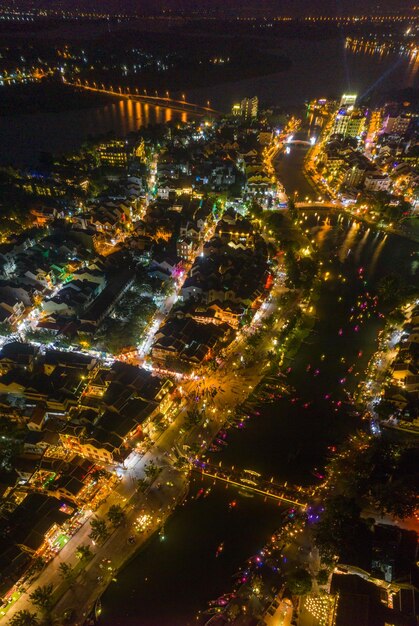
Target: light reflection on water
{"points": [[25, 136], [377, 252], [126, 116], [412, 70], [354, 242], [349, 241], [361, 245], [319, 68], [409, 63]]}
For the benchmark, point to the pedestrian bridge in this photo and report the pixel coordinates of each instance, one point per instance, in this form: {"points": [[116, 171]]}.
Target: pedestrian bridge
{"points": [[128, 93], [298, 142], [253, 482], [318, 204]]}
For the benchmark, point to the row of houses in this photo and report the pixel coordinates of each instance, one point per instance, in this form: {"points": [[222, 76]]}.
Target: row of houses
{"points": [[344, 167], [33, 265], [402, 392], [100, 410], [227, 281]]}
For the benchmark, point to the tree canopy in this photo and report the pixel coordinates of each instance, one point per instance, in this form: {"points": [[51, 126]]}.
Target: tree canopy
{"points": [[42, 597], [299, 582], [24, 618]]}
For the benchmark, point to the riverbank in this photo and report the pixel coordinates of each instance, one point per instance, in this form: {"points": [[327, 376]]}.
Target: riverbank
{"points": [[242, 372], [410, 231]]}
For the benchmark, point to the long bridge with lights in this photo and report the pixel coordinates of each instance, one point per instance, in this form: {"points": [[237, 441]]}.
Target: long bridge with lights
{"points": [[319, 204], [251, 481], [165, 102]]}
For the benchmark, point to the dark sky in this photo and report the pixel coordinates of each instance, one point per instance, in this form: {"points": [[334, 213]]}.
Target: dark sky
{"points": [[290, 7]]}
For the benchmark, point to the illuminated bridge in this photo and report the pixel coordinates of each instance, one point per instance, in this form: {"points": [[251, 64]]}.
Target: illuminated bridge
{"points": [[250, 480], [158, 101], [298, 142], [319, 204]]}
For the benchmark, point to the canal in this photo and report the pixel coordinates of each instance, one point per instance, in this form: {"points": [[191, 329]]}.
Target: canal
{"points": [[170, 581]]}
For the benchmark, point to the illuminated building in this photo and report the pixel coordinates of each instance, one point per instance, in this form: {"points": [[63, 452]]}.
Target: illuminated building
{"points": [[377, 181], [349, 123], [348, 100], [249, 108], [397, 125], [236, 110], [185, 248], [374, 127], [113, 153], [265, 137]]}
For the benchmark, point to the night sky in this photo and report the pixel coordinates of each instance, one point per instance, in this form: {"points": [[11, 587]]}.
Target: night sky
{"points": [[289, 7]]}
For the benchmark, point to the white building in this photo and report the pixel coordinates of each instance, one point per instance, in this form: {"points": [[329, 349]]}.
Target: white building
{"points": [[348, 100], [376, 181]]}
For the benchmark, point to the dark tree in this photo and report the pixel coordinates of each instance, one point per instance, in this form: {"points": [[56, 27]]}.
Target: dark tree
{"points": [[83, 552], [24, 618], [151, 470], [99, 530], [323, 577], [299, 582], [42, 597], [340, 517], [292, 208], [116, 515], [67, 572]]}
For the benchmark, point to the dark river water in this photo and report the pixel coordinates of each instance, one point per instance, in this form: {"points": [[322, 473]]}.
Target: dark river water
{"points": [[171, 581], [324, 68]]}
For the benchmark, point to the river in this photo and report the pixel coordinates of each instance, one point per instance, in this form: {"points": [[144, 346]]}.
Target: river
{"points": [[319, 68], [170, 581], [23, 137]]}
